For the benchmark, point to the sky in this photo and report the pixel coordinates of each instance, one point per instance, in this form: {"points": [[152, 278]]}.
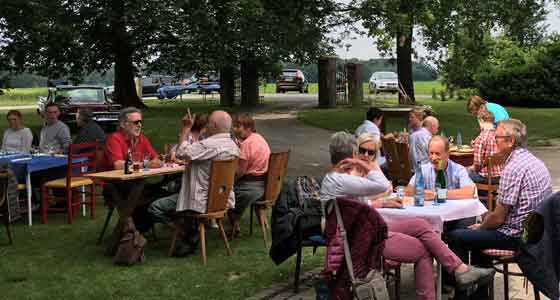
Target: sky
{"points": [[364, 48]]}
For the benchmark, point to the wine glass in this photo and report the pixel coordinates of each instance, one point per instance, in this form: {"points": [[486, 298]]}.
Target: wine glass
{"points": [[146, 162]]}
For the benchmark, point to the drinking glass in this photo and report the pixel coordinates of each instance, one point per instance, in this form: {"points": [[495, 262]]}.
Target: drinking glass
{"points": [[146, 163], [435, 202], [400, 194]]}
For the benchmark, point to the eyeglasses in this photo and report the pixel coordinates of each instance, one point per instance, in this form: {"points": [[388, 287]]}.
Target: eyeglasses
{"points": [[137, 122], [368, 151]]}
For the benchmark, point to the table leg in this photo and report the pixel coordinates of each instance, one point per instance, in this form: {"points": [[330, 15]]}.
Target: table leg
{"points": [[28, 186], [438, 295], [125, 209]]}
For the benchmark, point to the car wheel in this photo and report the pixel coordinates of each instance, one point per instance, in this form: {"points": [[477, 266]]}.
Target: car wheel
{"points": [[277, 91], [307, 90]]}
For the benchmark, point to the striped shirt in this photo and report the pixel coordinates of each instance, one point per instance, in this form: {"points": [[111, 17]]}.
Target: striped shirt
{"points": [[456, 176], [524, 183], [484, 146]]}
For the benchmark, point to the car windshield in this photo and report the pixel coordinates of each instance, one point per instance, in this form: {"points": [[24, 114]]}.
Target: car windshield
{"points": [[388, 75], [82, 95]]}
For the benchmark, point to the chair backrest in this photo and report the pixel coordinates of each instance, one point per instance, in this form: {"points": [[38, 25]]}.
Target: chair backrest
{"points": [[404, 161], [392, 157], [222, 175], [277, 165], [82, 159]]}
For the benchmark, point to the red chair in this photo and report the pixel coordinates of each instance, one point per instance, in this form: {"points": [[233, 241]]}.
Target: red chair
{"points": [[81, 161]]}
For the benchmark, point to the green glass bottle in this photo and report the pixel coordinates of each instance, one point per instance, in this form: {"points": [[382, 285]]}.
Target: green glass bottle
{"points": [[441, 186]]}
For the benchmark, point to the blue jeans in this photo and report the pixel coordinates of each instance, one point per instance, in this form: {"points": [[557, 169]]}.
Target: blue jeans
{"points": [[477, 178], [463, 240]]}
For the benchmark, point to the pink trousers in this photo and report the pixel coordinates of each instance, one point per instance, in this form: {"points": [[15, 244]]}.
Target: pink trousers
{"points": [[414, 241]]}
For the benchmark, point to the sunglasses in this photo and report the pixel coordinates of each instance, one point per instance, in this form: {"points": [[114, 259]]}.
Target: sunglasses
{"points": [[368, 151], [137, 122]]}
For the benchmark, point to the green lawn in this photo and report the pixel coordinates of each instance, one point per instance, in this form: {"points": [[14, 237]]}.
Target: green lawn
{"points": [[21, 96], [542, 123], [60, 261]]}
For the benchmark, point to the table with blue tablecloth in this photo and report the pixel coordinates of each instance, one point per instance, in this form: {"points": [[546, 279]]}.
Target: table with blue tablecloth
{"points": [[24, 164]]}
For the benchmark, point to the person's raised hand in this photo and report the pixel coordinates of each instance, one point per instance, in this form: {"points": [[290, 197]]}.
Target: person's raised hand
{"points": [[188, 119]]}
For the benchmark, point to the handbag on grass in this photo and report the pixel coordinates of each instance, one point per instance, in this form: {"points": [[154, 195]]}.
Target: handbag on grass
{"points": [[373, 286]]}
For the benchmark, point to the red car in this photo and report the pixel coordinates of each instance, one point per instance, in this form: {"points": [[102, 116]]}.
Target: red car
{"points": [[70, 98]]}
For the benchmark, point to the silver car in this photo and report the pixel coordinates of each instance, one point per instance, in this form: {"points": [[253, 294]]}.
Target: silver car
{"points": [[383, 82]]}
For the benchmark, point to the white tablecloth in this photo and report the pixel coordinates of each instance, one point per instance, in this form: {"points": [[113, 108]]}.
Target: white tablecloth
{"points": [[436, 214]]}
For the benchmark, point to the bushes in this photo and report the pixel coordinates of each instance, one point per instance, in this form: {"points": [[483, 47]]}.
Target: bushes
{"points": [[521, 77]]}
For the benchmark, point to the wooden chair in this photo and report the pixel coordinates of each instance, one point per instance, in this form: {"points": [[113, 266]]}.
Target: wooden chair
{"points": [[4, 213], [489, 187], [222, 174], [81, 161], [277, 165], [392, 156], [404, 163]]}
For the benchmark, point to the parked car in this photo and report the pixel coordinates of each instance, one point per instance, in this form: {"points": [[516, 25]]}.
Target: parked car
{"points": [[292, 80], [150, 84], [70, 98], [383, 82]]}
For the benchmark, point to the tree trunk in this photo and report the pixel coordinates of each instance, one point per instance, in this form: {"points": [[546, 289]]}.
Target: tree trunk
{"points": [[327, 82], [249, 84], [125, 90], [355, 86], [227, 84], [404, 65]]}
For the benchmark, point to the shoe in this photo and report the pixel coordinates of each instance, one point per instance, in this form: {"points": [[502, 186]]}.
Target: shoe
{"points": [[473, 275]]}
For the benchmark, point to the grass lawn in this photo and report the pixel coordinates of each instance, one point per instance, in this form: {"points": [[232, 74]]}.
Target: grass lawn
{"points": [[542, 123], [61, 261], [21, 96]]}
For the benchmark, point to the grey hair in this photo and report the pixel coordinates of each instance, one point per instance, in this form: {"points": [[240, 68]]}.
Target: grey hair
{"points": [[429, 121], [343, 145], [86, 115], [123, 114], [517, 130]]}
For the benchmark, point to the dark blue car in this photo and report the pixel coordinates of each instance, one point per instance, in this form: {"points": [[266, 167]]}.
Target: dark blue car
{"points": [[172, 91]]}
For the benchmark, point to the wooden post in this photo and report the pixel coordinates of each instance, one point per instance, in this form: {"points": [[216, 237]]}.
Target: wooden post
{"points": [[355, 90], [327, 82]]}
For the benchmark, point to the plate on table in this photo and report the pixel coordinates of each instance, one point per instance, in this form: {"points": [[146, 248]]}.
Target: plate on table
{"points": [[407, 200]]}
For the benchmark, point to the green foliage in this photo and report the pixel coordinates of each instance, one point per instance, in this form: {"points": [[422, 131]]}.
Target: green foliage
{"points": [[521, 76], [442, 95], [434, 94]]}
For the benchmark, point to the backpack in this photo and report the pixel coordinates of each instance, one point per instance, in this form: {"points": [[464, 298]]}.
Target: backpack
{"points": [[131, 246]]}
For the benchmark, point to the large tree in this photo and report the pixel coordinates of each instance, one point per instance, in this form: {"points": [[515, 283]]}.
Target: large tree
{"points": [[394, 24], [70, 38]]}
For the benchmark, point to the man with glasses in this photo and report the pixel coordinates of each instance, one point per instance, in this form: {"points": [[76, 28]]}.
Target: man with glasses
{"points": [[524, 183], [130, 137]]}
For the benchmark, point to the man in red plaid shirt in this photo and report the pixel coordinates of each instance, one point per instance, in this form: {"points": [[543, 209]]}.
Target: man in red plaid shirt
{"points": [[484, 146], [524, 183]]}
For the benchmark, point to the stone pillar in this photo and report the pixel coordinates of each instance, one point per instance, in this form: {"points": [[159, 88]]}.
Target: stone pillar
{"points": [[355, 89], [327, 82]]}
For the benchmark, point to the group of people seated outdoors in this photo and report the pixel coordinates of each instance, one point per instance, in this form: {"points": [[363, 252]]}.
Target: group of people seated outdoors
{"points": [[524, 182], [356, 173]]}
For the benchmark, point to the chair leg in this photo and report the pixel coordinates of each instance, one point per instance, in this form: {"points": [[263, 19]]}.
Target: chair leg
{"points": [[262, 222], [506, 281], [224, 237], [298, 269], [69, 205], [491, 288], [107, 219], [44, 204], [251, 209], [174, 241], [92, 201], [202, 233]]}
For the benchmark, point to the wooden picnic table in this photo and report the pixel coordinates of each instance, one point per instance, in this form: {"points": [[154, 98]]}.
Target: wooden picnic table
{"points": [[134, 184], [463, 156]]}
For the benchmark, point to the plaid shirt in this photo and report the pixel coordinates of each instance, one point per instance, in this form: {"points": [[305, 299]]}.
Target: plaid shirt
{"points": [[485, 146], [524, 183]]}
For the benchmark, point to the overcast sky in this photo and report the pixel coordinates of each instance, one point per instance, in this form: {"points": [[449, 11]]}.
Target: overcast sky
{"points": [[364, 48]]}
